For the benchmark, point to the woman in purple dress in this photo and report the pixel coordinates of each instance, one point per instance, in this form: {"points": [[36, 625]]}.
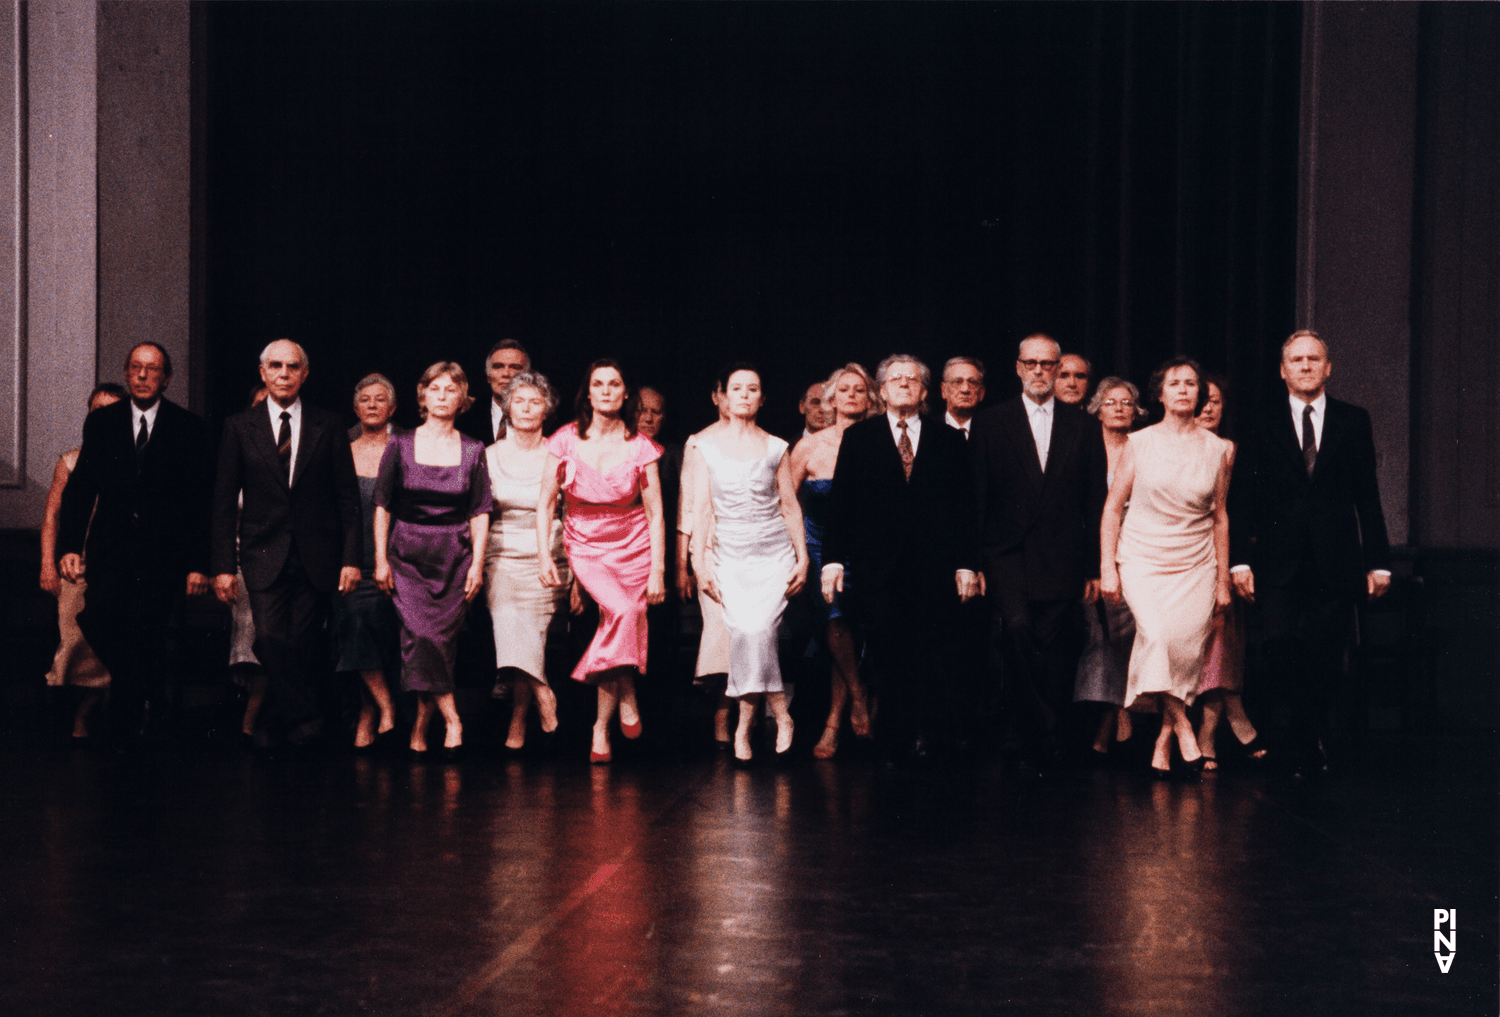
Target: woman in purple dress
{"points": [[435, 484]]}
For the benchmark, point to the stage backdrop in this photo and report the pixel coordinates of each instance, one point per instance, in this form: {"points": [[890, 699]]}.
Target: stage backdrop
{"points": [[800, 185]]}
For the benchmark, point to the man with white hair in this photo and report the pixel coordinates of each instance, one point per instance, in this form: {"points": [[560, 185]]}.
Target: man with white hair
{"points": [[1040, 482], [299, 530], [900, 518]]}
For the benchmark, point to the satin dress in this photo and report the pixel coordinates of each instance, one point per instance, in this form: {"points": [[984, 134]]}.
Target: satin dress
{"points": [[697, 520], [753, 558], [1167, 562], [521, 608], [430, 552], [608, 540]]}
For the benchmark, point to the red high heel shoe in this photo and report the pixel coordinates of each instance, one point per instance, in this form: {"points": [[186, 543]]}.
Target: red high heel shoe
{"points": [[631, 731], [599, 757]]}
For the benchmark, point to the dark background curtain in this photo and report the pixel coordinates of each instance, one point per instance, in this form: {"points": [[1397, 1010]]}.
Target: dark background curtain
{"points": [[799, 185]]}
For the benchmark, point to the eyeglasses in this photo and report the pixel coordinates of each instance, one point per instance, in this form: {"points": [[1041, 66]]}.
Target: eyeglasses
{"points": [[1046, 365], [1123, 404], [964, 382]]}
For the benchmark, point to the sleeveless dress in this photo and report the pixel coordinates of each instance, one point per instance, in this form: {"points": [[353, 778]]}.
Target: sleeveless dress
{"points": [[430, 552], [367, 630], [1167, 563], [713, 640], [608, 541], [753, 558], [521, 608], [814, 498], [74, 662]]}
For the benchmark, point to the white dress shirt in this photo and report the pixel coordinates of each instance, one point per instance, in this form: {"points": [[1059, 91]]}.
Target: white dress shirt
{"points": [[952, 422], [913, 429], [1319, 410], [295, 410], [1040, 417], [149, 416], [497, 414]]}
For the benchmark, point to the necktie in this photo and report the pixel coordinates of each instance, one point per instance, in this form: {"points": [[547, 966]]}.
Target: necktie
{"points": [[1043, 434], [142, 437], [903, 445], [1309, 440], [284, 445]]}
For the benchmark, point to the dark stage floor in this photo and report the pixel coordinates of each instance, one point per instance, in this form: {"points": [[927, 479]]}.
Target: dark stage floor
{"points": [[219, 883]]}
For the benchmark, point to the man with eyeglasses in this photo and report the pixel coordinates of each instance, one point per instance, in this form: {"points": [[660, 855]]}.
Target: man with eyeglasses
{"points": [[138, 500], [1073, 374], [1040, 483], [901, 519], [963, 391]]}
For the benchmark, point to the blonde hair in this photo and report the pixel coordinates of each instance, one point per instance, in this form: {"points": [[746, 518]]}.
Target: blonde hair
{"points": [[871, 389], [436, 371]]}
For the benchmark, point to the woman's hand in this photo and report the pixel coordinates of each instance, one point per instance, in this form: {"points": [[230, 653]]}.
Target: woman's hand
{"points": [[547, 573], [474, 581], [1109, 587], [797, 580], [685, 586], [1223, 597], [383, 577], [708, 584], [51, 581], [575, 598], [656, 587]]}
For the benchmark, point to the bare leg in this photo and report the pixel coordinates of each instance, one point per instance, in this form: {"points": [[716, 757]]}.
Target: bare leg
{"points": [[742, 732], [1176, 715], [778, 703], [630, 713], [1106, 732], [546, 703], [1213, 707], [846, 668], [721, 720], [425, 710], [1123, 729], [453, 736], [86, 707], [520, 700], [1161, 752], [1239, 722], [375, 681], [254, 701], [609, 695]]}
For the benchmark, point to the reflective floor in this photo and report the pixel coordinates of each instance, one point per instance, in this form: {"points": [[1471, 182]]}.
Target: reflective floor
{"points": [[220, 883]]}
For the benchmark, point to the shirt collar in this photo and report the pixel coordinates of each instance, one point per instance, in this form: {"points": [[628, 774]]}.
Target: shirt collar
{"points": [[136, 413], [952, 421], [913, 422], [1033, 407], [275, 411], [1318, 405]]}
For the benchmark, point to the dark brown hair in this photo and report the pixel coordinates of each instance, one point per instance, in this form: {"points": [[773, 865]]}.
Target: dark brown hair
{"points": [[584, 410], [1159, 378]]}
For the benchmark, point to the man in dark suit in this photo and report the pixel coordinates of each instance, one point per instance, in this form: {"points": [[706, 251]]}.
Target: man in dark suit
{"points": [[299, 530], [1307, 538], [900, 522], [143, 476], [486, 420], [1039, 468]]}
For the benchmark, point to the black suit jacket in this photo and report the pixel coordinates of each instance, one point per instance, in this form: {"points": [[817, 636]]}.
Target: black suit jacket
{"points": [[150, 521], [476, 422], [1280, 518], [894, 535], [1039, 533], [320, 509]]}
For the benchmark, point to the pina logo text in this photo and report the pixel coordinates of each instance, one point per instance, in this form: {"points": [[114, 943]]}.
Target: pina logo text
{"points": [[1444, 942]]}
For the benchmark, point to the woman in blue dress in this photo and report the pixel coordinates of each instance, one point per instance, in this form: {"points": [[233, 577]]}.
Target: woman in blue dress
{"points": [[849, 397]]}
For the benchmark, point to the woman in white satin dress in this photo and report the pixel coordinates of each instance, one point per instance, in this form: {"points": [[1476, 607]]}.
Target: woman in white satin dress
{"points": [[1169, 557], [520, 606], [758, 558]]}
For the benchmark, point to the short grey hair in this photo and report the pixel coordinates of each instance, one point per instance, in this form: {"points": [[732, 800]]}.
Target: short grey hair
{"points": [[1088, 368], [1041, 337], [1112, 382], [265, 354], [973, 362], [529, 379], [374, 379], [925, 376]]}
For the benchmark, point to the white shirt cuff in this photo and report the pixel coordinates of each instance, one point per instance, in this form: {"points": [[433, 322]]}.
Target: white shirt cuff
{"points": [[1381, 572], [1238, 568], [832, 568], [967, 572]]}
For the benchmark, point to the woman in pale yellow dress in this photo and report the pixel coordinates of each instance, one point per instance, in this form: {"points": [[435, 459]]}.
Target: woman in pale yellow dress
{"points": [[1168, 559]]}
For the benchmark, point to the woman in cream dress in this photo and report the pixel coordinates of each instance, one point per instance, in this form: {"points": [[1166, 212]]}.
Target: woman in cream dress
{"points": [[1169, 558], [695, 515], [758, 558], [520, 606]]}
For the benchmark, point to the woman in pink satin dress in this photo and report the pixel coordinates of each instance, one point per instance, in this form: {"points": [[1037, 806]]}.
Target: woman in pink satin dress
{"points": [[614, 535]]}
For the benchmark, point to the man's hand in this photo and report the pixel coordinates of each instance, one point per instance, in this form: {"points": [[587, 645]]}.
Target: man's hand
{"points": [[197, 584], [71, 567], [833, 584], [1244, 584], [1377, 585], [224, 588], [349, 578], [1092, 591], [686, 587], [968, 585]]}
